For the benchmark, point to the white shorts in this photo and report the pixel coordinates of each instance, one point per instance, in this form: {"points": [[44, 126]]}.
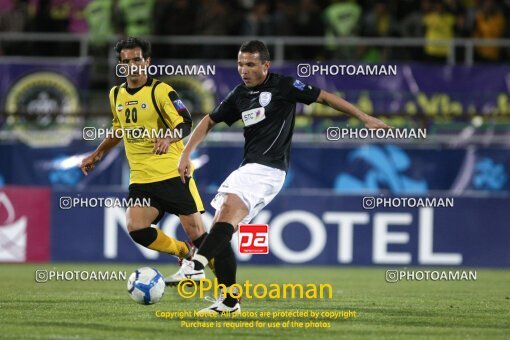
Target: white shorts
{"points": [[255, 184]]}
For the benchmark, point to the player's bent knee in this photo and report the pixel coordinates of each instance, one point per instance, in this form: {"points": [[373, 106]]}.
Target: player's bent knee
{"points": [[134, 224], [140, 218], [131, 226], [234, 203], [233, 210]]}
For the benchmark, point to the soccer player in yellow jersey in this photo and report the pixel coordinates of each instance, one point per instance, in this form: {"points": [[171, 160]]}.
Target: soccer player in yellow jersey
{"points": [[153, 121]]}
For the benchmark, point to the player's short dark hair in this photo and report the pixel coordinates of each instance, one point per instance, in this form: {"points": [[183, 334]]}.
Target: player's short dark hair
{"points": [[132, 42], [256, 46]]}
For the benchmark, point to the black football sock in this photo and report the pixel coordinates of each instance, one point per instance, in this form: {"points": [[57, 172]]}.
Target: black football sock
{"points": [[226, 268], [198, 242], [230, 301], [219, 237], [156, 239], [144, 236]]}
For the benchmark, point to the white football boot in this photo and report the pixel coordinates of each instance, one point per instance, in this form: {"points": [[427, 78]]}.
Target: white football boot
{"points": [[218, 307], [186, 271]]}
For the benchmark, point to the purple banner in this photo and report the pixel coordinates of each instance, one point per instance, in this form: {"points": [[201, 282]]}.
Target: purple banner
{"points": [[416, 89], [34, 91]]}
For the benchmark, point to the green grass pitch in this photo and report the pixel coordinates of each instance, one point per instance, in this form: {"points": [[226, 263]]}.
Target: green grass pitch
{"points": [[103, 309]]}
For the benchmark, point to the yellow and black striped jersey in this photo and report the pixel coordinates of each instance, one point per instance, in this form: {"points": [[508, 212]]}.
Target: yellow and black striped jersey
{"points": [[143, 113]]}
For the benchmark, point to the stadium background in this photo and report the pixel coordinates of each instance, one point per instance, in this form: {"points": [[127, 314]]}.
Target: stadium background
{"points": [[57, 66]]}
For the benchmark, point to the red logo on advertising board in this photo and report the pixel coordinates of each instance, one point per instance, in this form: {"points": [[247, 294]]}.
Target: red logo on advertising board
{"points": [[253, 238], [24, 224]]}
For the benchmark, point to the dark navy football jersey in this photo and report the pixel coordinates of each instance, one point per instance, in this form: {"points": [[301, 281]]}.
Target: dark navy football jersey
{"points": [[268, 113]]}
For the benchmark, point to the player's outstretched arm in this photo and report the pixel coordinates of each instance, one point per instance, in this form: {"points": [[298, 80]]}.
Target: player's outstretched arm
{"points": [[89, 162], [341, 104], [197, 136]]}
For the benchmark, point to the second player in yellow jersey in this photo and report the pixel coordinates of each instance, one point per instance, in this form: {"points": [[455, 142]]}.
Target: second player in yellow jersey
{"points": [[144, 113], [145, 110]]}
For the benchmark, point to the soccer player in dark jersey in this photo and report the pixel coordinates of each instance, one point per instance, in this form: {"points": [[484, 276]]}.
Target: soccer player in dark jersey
{"points": [[266, 103], [147, 105]]}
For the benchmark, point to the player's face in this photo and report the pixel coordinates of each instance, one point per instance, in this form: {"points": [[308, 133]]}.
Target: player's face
{"points": [[134, 56], [251, 69]]}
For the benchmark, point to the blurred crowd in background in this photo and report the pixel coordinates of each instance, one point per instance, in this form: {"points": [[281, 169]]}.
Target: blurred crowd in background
{"points": [[430, 19]]}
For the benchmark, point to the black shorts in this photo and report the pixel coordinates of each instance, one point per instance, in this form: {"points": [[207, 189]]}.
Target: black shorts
{"points": [[169, 195]]}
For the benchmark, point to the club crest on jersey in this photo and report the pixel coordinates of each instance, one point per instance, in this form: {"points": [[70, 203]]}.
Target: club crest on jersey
{"points": [[253, 116], [120, 107], [144, 106], [265, 98], [179, 105], [298, 84]]}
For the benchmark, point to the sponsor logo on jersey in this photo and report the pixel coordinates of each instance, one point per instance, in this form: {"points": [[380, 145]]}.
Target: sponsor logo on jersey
{"points": [[253, 116], [132, 102], [265, 98], [298, 84]]}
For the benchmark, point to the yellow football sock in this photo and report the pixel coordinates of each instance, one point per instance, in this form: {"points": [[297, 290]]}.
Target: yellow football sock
{"points": [[169, 245]]}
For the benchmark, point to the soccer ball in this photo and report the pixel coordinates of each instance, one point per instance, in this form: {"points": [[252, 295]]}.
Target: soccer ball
{"points": [[146, 285]]}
